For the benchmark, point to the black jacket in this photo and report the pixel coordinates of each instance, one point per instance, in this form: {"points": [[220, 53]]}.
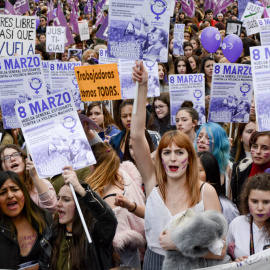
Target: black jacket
{"points": [[240, 173], [9, 246], [98, 255]]}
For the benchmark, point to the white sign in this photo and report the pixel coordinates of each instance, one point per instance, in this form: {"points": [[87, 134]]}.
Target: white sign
{"points": [[178, 39], [127, 84], [54, 134], [17, 35], [62, 78], [252, 9], [264, 25], [252, 25], [55, 39], [187, 87], [21, 80], [258, 261], [104, 59], [260, 61], [231, 93], [84, 30]]}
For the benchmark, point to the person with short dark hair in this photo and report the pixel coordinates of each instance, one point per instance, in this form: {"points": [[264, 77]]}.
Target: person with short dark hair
{"points": [[42, 25]]}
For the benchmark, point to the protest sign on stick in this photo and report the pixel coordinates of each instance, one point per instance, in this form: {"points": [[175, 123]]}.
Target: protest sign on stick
{"points": [[264, 27], [231, 93], [260, 62], [178, 39], [21, 79], [62, 77], [98, 82], [252, 26], [252, 9], [54, 134], [84, 30], [128, 87], [187, 87], [18, 35], [55, 39]]}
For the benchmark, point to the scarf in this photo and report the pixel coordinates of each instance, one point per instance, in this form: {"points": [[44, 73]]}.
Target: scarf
{"points": [[255, 169]]}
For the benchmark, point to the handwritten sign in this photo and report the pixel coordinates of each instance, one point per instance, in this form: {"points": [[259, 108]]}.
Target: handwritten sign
{"points": [[17, 35], [84, 30], [55, 39]]}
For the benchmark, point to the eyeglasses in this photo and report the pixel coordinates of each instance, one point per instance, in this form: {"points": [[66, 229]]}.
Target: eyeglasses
{"points": [[160, 107], [15, 155]]}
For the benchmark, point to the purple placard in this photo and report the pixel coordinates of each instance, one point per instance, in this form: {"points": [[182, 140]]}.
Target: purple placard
{"points": [[9, 9]]}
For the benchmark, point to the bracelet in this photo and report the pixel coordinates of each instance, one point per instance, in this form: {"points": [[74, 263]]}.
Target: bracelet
{"points": [[133, 208]]}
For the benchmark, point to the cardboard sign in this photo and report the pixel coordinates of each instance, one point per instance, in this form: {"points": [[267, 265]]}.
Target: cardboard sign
{"points": [[17, 35], [99, 82], [55, 39], [84, 30]]}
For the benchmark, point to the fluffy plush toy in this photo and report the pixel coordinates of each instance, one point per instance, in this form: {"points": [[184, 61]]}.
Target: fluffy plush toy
{"points": [[193, 236]]}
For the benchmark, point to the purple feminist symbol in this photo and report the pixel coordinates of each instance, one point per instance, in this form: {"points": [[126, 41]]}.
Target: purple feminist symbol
{"points": [[158, 7], [74, 81], [35, 84], [69, 123], [197, 94], [150, 66], [245, 88]]}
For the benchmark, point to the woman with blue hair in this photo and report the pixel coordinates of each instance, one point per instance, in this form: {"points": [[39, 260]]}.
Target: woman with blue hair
{"points": [[211, 137]]}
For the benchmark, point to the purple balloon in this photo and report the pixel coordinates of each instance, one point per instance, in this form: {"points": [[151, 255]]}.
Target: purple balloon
{"points": [[232, 47], [210, 39], [37, 22]]}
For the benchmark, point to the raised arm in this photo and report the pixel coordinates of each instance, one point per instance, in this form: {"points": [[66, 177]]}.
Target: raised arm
{"points": [[139, 142]]}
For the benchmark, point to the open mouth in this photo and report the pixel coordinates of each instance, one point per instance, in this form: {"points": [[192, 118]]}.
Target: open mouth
{"points": [[201, 147], [12, 205], [61, 213], [173, 168], [14, 165]]}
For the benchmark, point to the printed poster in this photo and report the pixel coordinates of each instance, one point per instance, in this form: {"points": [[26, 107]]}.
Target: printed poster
{"points": [[258, 261], [128, 86], [21, 79], [261, 82], [187, 87], [54, 134], [62, 78], [104, 59], [139, 29], [264, 26], [18, 35], [231, 93], [178, 39]]}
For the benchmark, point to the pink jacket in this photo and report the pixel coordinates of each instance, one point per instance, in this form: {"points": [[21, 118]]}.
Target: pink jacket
{"points": [[45, 200], [130, 229]]}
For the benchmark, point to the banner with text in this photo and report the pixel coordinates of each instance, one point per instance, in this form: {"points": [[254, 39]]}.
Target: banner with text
{"points": [[231, 93], [54, 134], [18, 35], [21, 80], [98, 82], [187, 87]]}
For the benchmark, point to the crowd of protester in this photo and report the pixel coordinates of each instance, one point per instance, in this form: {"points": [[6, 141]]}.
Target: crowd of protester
{"points": [[148, 174]]}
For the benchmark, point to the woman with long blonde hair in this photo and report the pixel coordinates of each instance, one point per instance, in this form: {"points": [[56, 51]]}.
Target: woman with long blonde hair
{"points": [[172, 183]]}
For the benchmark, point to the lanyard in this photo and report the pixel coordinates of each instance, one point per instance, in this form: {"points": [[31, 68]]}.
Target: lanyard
{"points": [[251, 246]]}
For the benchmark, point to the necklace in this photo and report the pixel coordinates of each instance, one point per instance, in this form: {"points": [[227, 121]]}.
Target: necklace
{"points": [[171, 197]]}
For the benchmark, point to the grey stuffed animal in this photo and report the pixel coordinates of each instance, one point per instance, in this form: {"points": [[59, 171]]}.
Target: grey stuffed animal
{"points": [[193, 239]]}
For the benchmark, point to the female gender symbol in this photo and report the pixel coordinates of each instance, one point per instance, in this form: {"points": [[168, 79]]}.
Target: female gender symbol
{"points": [[197, 94], [69, 123]]}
